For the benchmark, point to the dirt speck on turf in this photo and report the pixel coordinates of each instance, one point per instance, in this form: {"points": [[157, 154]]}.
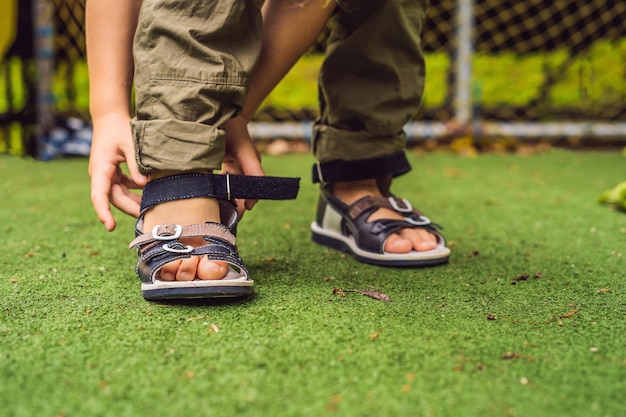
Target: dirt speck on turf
{"points": [[521, 277]]}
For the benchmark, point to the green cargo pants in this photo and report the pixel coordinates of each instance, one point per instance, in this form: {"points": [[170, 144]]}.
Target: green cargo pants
{"points": [[192, 68], [193, 61]]}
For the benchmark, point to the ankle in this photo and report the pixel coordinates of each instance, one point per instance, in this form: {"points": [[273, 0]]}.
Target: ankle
{"points": [[350, 191], [183, 212]]}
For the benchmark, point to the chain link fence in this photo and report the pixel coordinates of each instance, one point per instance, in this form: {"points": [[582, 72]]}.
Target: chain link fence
{"points": [[525, 68]]}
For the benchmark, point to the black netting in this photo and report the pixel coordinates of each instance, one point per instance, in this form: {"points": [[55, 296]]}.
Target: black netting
{"points": [[580, 45], [573, 30]]}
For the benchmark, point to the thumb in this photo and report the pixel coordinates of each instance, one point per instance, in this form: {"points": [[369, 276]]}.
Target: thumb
{"points": [[133, 169], [250, 164]]}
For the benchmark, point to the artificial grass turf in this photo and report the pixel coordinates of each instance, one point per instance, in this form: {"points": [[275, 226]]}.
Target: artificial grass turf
{"points": [[475, 337]]}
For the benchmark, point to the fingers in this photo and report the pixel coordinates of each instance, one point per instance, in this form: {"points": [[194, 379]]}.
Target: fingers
{"points": [[110, 186], [254, 169], [129, 182], [249, 204], [249, 160], [100, 203], [242, 156], [231, 167], [138, 180], [126, 201], [100, 190]]}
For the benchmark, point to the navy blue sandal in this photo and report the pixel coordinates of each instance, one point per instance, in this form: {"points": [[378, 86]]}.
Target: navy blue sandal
{"points": [[162, 244], [345, 228]]}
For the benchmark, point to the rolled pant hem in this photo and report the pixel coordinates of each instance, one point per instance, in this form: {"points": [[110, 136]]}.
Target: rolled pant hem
{"points": [[177, 145], [331, 143]]}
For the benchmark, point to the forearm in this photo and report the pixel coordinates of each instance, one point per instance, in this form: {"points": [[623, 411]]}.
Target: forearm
{"points": [[110, 27], [289, 29]]}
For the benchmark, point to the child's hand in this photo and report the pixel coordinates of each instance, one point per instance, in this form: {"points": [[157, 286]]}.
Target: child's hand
{"points": [[242, 157], [112, 144]]}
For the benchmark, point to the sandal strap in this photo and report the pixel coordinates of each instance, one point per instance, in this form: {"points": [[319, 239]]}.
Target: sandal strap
{"points": [[155, 256], [370, 203], [371, 236], [223, 187], [171, 232]]}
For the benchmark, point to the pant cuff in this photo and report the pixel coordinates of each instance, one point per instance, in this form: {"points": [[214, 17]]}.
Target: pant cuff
{"points": [[174, 145]]}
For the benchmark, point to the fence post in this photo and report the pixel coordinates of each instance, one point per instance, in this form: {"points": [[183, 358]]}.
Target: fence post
{"points": [[463, 62], [43, 12]]}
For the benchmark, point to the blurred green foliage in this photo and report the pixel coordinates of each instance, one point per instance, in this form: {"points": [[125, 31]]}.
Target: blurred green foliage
{"points": [[598, 77], [595, 78]]}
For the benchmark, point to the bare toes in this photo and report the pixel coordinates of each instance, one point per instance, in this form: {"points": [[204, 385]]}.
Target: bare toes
{"points": [[397, 244], [421, 239], [187, 269], [211, 270], [168, 272]]}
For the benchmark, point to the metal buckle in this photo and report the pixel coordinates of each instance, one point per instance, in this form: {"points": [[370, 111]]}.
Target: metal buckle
{"points": [[178, 230], [396, 207], [422, 221], [228, 187], [319, 172], [187, 249]]}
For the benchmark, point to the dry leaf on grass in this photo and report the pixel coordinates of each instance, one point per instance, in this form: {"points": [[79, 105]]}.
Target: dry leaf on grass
{"points": [[197, 318], [375, 294], [568, 314], [510, 355], [339, 291], [521, 277]]}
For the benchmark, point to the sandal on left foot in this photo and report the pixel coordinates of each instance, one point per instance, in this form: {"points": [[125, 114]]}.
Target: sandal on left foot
{"points": [[346, 228]]}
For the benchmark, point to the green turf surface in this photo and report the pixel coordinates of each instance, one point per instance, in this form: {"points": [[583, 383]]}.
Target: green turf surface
{"points": [[475, 337]]}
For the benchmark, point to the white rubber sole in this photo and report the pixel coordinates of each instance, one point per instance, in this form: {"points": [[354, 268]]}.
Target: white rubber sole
{"points": [[337, 240], [233, 285]]}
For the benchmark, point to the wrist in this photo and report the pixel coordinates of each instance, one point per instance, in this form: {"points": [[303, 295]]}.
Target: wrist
{"points": [[110, 117]]}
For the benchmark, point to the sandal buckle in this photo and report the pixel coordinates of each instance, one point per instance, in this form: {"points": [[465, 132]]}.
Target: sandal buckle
{"points": [[318, 166], [420, 221], [186, 249], [228, 187], [178, 230], [408, 208]]}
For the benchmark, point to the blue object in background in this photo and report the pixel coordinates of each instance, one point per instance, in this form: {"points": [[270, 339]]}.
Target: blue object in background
{"points": [[69, 137]]}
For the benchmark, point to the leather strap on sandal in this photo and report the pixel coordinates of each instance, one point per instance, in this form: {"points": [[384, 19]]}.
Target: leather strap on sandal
{"points": [[163, 246], [371, 235], [223, 187], [399, 205], [171, 232]]}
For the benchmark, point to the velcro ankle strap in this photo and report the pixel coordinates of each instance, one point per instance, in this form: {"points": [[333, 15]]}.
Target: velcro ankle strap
{"points": [[222, 187], [394, 164]]}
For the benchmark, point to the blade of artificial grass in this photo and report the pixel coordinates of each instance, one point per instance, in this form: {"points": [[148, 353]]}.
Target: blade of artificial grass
{"points": [[527, 319]]}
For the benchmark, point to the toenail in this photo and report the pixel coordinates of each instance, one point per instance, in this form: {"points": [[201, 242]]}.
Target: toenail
{"points": [[186, 276], [166, 276], [211, 266]]}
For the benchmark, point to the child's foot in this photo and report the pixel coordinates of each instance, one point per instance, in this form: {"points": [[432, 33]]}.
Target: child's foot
{"points": [[402, 242], [186, 212]]}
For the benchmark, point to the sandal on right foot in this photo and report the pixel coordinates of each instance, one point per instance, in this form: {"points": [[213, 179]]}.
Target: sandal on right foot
{"points": [[162, 245]]}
